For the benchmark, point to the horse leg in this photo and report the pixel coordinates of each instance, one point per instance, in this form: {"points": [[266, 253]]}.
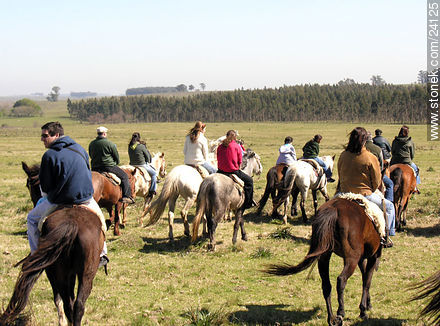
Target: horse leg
{"points": [[117, 211], [324, 192], [293, 210], [286, 203], [403, 217], [124, 215], [367, 269], [172, 207], [315, 200], [212, 225], [350, 264], [184, 214], [239, 218], [399, 215], [303, 204], [323, 267], [63, 294]]}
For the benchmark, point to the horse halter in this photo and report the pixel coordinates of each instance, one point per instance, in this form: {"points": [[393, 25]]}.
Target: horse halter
{"points": [[32, 181]]}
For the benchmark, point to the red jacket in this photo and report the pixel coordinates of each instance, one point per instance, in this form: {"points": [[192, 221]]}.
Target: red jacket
{"points": [[229, 158]]}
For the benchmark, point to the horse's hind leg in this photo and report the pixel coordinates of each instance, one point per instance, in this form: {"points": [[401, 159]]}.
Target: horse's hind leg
{"points": [[172, 207], [367, 269], [293, 209], [323, 267], [184, 214], [63, 294], [350, 264], [239, 221], [303, 204], [315, 200]]}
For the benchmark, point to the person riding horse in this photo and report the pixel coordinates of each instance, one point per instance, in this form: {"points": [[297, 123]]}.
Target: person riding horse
{"points": [[229, 157], [105, 158], [359, 173], [140, 156], [65, 179], [403, 151], [196, 148], [383, 143], [311, 151]]}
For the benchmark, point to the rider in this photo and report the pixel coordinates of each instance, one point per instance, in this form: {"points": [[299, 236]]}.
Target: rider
{"points": [[383, 143], [196, 148], [403, 150], [105, 158], [287, 152], [359, 173], [377, 151], [229, 158], [140, 156], [311, 151], [65, 179]]}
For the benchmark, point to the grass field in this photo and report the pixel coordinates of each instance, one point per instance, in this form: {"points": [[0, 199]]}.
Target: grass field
{"points": [[156, 282]]}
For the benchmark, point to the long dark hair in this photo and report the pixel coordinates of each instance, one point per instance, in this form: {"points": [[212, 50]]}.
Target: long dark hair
{"points": [[230, 135], [357, 140], [195, 131], [136, 138], [404, 131]]}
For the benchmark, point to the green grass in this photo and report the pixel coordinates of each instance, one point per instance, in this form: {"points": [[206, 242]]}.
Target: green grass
{"points": [[156, 282]]}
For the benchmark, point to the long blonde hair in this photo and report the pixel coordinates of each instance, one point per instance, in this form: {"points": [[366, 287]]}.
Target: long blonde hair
{"points": [[195, 131], [230, 135]]}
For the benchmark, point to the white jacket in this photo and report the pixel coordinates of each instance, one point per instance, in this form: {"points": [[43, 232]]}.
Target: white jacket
{"points": [[287, 154], [196, 153]]}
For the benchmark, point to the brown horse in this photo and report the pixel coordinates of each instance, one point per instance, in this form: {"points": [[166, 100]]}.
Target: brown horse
{"points": [[430, 288], [69, 248], [33, 181], [108, 194], [341, 227], [404, 186]]}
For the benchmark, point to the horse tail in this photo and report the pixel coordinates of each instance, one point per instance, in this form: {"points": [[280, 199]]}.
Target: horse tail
{"points": [[50, 247], [322, 241], [397, 177], [289, 182], [430, 288], [200, 211], [158, 206], [270, 187]]}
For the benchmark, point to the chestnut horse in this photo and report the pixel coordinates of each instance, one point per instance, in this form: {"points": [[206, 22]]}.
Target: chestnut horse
{"points": [[108, 194], [430, 288], [404, 186], [69, 248], [341, 227]]}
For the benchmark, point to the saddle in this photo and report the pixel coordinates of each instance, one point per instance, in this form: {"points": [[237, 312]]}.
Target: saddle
{"points": [[281, 169], [319, 171], [112, 177], [199, 168], [376, 215]]}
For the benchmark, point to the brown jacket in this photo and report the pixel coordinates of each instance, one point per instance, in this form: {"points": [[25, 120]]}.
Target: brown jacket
{"points": [[358, 173]]}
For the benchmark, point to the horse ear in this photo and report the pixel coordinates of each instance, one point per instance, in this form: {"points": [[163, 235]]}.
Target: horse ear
{"points": [[162, 154], [333, 157], [25, 168]]}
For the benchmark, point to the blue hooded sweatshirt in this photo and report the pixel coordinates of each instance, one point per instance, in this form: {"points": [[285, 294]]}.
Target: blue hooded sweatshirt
{"points": [[65, 173]]}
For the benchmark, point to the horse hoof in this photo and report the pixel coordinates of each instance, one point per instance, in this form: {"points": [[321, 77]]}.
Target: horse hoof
{"points": [[244, 237], [363, 316], [108, 223], [122, 226], [186, 233], [336, 321]]}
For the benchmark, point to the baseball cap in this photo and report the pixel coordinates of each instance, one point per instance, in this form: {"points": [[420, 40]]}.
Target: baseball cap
{"points": [[101, 129]]}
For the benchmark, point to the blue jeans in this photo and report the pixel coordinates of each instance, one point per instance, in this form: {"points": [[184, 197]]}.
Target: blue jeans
{"points": [[389, 188], [390, 211], [416, 169], [209, 168], [327, 171], [153, 174]]}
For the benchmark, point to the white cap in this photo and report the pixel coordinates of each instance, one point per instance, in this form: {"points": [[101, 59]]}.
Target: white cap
{"points": [[101, 129]]}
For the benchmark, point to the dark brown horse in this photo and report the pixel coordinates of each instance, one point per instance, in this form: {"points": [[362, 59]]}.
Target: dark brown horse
{"points": [[404, 186], [341, 227], [69, 248], [430, 288], [108, 194]]}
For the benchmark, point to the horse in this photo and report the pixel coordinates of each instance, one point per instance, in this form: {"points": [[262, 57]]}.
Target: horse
{"points": [[278, 189], [183, 180], [108, 194], [306, 179], [342, 227], [430, 288], [69, 248], [143, 182], [219, 192], [404, 186]]}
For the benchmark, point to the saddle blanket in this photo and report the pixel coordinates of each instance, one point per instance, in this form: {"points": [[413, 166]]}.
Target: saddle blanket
{"points": [[373, 211], [90, 204]]}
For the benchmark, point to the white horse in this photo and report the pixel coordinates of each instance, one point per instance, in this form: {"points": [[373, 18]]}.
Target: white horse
{"points": [[185, 181], [143, 182], [306, 179]]}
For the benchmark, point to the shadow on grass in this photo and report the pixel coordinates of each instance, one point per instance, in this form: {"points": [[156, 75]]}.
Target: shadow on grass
{"points": [[427, 232], [21, 233], [165, 245], [272, 315], [380, 322]]}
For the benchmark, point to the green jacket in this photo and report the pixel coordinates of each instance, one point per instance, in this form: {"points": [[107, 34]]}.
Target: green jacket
{"points": [[311, 149], [139, 154], [102, 153], [376, 151], [402, 150]]}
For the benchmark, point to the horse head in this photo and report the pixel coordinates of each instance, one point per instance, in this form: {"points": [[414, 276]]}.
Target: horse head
{"points": [[329, 161], [251, 163], [158, 162], [33, 181]]}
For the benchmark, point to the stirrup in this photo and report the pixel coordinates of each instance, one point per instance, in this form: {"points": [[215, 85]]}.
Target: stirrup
{"points": [[103, 261], [386, 242]]}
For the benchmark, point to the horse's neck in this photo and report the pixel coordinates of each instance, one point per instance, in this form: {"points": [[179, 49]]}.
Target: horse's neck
{"points": [[249, 169], [155, 162]]}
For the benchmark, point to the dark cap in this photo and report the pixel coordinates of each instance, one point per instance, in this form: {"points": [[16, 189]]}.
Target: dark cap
{"points": [[378, 132]]}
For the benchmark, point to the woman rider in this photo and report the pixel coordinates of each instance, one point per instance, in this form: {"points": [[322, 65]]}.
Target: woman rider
{"points": [[311, 151], [196, 148]]}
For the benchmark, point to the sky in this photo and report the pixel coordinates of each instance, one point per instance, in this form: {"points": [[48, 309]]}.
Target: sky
{"points": [[109, 46]]}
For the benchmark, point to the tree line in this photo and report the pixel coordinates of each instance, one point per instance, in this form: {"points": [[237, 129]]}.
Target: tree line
{"points": [[349, 102]]}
